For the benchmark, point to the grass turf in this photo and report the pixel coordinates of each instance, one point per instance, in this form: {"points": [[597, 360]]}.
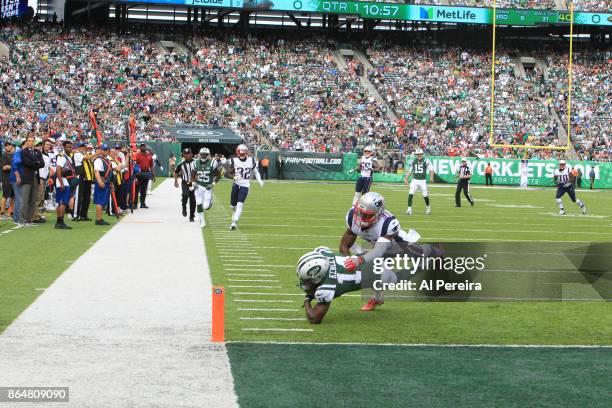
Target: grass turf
{"points": [[32, 258], [395, 376], [284, 220]]}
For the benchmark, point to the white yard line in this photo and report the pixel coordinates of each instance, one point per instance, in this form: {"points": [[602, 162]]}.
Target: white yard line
{"points": [[254, 286], [259, 309], [253, 280], [262, 301], [128, 323], [277, 329], [250, 274], [288, 319]]}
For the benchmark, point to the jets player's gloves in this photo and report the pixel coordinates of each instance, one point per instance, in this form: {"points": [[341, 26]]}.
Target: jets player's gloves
{"points": [[351, 263], [260, 183], [191, 188], [309, 298]]}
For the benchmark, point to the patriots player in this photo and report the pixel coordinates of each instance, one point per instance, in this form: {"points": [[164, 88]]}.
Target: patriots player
{"points": [[564, 180], [419, 169], [367, 165], [242, 167], [370, 221], [205, 175]]}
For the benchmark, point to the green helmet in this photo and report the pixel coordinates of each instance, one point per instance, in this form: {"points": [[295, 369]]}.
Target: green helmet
{"points": [[204, 153], [312, 267]]}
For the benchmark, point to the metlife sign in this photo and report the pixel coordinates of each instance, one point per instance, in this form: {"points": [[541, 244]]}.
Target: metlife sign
{"points": [[449, 14]]}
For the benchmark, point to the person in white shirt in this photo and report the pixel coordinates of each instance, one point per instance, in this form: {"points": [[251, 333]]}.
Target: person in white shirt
{"points": [[242, 167]]}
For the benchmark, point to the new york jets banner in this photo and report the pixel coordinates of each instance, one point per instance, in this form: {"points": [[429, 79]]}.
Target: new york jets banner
{"points": [[325, 166], [508, 171]]}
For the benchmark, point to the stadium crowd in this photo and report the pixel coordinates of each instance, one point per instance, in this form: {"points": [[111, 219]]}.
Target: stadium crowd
{"points": [[289, 93]]}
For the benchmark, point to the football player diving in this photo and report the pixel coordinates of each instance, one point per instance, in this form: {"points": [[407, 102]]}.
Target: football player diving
{"points": [[369, 220], [323, 276], [205, 175], [242, 167]]}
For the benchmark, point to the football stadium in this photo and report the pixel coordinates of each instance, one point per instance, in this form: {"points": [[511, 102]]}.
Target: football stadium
{"points": [[291, 203]]}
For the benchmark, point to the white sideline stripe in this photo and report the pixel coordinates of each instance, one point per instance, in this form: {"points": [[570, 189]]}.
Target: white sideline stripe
{"points": [[289, 319], [259, 309], [266, 265], [451, 345], [254, 286], [250, 274], [6, 232], [273, 294], [249, 269], [254, 280], [242, 253], [443, 229], [262, 301], [104, 313], [277, 329], [430, 220], [40, 289]]}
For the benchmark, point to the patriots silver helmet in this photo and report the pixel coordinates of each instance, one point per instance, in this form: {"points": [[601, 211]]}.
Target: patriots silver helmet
{"points": [[370, 149], [368, 209], [312, 267], [204, 153], [242, 151]]}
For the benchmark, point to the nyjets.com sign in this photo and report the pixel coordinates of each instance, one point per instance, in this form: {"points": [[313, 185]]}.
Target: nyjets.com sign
{"points": [[297, 161], [508, 171]]}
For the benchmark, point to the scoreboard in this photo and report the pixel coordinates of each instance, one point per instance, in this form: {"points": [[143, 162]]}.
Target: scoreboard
{"points": [[406, 12]]}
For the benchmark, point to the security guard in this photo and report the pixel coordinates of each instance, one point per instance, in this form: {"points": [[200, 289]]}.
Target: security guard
{"points": [[185, 170], [463, 183]]}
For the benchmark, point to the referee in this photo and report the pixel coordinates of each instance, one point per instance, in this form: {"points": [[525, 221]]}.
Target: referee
{"points": [[463, 184], [185, 170]]}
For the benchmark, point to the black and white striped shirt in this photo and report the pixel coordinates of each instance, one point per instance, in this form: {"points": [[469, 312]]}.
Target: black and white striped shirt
{"points": [[464, 171], [186, 170]]}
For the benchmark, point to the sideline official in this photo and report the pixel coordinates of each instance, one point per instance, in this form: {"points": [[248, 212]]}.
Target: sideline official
{"points": [[463, 183], [185, 171]]}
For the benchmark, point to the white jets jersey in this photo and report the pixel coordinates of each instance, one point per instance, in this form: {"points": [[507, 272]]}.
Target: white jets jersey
{"points": [[386, 225], [243, 170], [562, 176], [366, 166]]}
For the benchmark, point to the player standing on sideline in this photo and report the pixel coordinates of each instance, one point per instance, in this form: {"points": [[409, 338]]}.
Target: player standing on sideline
{"points": [[242, 167], [418, 169], [367, 165], [565, 184], [463, 183], [205, 176]]}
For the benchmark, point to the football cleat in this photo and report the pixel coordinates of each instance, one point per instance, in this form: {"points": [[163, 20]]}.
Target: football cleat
{"points": [[561, 212], [233, 226], [409, 211], [584, 210], [371, 305], [427, 210]]}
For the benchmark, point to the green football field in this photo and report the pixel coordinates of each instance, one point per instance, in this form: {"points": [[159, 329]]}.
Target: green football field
{"points": [[283, 220]]}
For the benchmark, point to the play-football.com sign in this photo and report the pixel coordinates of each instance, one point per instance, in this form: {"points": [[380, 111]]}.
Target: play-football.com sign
{"points": [[298, 161]]}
